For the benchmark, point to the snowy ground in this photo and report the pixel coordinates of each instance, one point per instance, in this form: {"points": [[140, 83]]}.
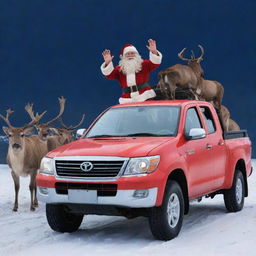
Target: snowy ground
{"points": [[207, 230]]}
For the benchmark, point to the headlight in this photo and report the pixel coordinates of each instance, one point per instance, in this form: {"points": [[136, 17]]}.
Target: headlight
{"points": [[47, 166], [142, 165]]}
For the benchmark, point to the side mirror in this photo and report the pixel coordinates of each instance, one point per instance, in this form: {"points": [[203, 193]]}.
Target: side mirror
{"points": [[80, 133], [196, 133]]}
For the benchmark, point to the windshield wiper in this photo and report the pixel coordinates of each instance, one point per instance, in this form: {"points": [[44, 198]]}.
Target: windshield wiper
{"points": [[104, 135], [143, 134], [139, 134]]}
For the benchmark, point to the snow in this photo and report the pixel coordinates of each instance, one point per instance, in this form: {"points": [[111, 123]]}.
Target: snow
{"points": [[4, 139], [207, 230]]}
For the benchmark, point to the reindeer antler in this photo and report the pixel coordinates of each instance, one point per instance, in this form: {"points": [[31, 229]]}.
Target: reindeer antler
{"points": [[29, 109], [193, 58], [35, 119], [6, 118], [71, 127], [180, 55], [202, 53], [62, 102]]}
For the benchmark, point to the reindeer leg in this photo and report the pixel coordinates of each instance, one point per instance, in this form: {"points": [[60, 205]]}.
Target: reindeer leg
{"points": [[16, 180], [194, 94], [169, 88], [219, 97], [172, 90], [167, 93], [35, 199], [32, 189]]}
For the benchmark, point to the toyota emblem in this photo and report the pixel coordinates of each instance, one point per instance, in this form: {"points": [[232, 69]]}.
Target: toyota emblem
{"points": [[86, 166]]}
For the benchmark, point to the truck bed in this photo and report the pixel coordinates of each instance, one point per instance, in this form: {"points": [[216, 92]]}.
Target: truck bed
{"points": [[235, 134]]}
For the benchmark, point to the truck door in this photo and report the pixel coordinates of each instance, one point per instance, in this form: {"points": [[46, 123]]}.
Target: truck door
{"points": [[216, 146], [198, 157]]}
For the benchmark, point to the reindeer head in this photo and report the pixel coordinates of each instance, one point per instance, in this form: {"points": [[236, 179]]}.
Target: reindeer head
{"points": [[66, 133], [17, 135], [194, 62], [44, 130]]}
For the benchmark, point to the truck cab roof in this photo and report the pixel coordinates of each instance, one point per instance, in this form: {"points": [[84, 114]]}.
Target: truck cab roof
{"points": [[163, 103]]}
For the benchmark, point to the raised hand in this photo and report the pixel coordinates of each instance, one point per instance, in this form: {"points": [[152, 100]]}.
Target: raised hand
{"points": [[107, 56], [152, 46]]}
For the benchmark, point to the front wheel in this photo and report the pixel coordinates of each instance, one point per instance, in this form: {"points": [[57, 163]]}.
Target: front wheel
{"points": [[166, 221], [61, 220], [234, 197]]}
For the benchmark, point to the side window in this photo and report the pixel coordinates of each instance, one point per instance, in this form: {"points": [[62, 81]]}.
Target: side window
{"points": [[208, 119], [192, 120]]}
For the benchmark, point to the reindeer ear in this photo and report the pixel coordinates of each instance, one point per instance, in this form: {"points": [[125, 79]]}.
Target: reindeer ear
{"points": [[5, 129], [28, 131]]}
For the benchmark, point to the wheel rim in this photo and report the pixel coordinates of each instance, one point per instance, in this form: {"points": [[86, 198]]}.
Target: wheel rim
{"points": [[173, 210], [239, 191]]}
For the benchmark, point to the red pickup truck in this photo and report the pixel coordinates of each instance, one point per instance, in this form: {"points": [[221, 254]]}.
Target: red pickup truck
{"points": [[146, 159]]}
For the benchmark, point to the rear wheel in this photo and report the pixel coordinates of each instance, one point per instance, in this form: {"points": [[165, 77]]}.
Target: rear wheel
{"points": [[234, 197], [166, 221], [61, 220]]}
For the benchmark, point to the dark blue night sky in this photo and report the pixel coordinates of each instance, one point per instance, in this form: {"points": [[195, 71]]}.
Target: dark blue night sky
{"points": [[50, 48]]}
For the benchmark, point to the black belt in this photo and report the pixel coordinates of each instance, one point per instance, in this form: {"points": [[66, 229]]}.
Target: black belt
{"points": [[135, 88]]}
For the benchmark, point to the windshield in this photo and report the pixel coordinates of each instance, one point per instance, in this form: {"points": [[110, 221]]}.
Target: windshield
{"points": [[137, 121]]}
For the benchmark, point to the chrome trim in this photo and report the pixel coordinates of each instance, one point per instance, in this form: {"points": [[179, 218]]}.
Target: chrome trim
{"points": [[123, 198], [85, 166], [91, 158]]}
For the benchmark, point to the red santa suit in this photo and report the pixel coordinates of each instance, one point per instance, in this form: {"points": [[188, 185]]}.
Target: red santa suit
{"points": [[135, 85]]}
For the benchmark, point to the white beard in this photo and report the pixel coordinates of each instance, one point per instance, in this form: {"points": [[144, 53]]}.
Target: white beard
{"points": [[130, 66]]}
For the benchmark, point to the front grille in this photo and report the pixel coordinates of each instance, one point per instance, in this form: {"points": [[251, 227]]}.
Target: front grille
{"points": [[101, 169]]}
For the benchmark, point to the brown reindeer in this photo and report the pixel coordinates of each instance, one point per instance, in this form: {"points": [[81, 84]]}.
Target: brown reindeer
{"points": [[208, 90], [177, 76], [44, 130], [67, 131], [24, 155], [228, 123], [64, 135], [190, 77]]}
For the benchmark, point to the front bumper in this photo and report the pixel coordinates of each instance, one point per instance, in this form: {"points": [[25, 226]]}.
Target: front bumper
{"points": [[125, 198]]}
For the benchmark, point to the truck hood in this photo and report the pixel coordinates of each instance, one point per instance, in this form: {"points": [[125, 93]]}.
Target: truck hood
{"points": [[115, 146]]}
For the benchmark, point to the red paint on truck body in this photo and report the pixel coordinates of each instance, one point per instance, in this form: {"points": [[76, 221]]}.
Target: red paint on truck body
{"points": [[205, 170]]}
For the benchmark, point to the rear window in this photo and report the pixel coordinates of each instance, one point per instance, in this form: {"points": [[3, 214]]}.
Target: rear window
{"points": [[208, 119]]}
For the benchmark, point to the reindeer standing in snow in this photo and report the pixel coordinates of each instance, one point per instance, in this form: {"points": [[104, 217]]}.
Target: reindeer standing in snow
{"points": [[24, 155], [44, 130], [66, 133], [61, 135]]}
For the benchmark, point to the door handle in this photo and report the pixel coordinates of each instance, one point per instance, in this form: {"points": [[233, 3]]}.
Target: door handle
{"points": [[208, 146]]}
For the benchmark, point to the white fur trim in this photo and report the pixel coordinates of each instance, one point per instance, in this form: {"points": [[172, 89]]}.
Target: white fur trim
{"points": [[131, 79], [135, 97], [155, 58], [108, 69], [129, 49]]}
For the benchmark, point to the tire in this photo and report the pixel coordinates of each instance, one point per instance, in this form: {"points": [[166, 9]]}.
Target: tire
{"points": [[234, 197], [166, 226], [60, 220]]}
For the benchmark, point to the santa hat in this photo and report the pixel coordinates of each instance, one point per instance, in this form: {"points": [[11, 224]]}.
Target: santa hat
{"points": [[128, 48]]}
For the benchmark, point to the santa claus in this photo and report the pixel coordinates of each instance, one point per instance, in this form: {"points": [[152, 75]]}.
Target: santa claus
{"points": [[132, 72]]}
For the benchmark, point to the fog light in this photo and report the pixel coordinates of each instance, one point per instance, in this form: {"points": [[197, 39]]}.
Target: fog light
{"points": [[43, 190], [140, 193]]}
